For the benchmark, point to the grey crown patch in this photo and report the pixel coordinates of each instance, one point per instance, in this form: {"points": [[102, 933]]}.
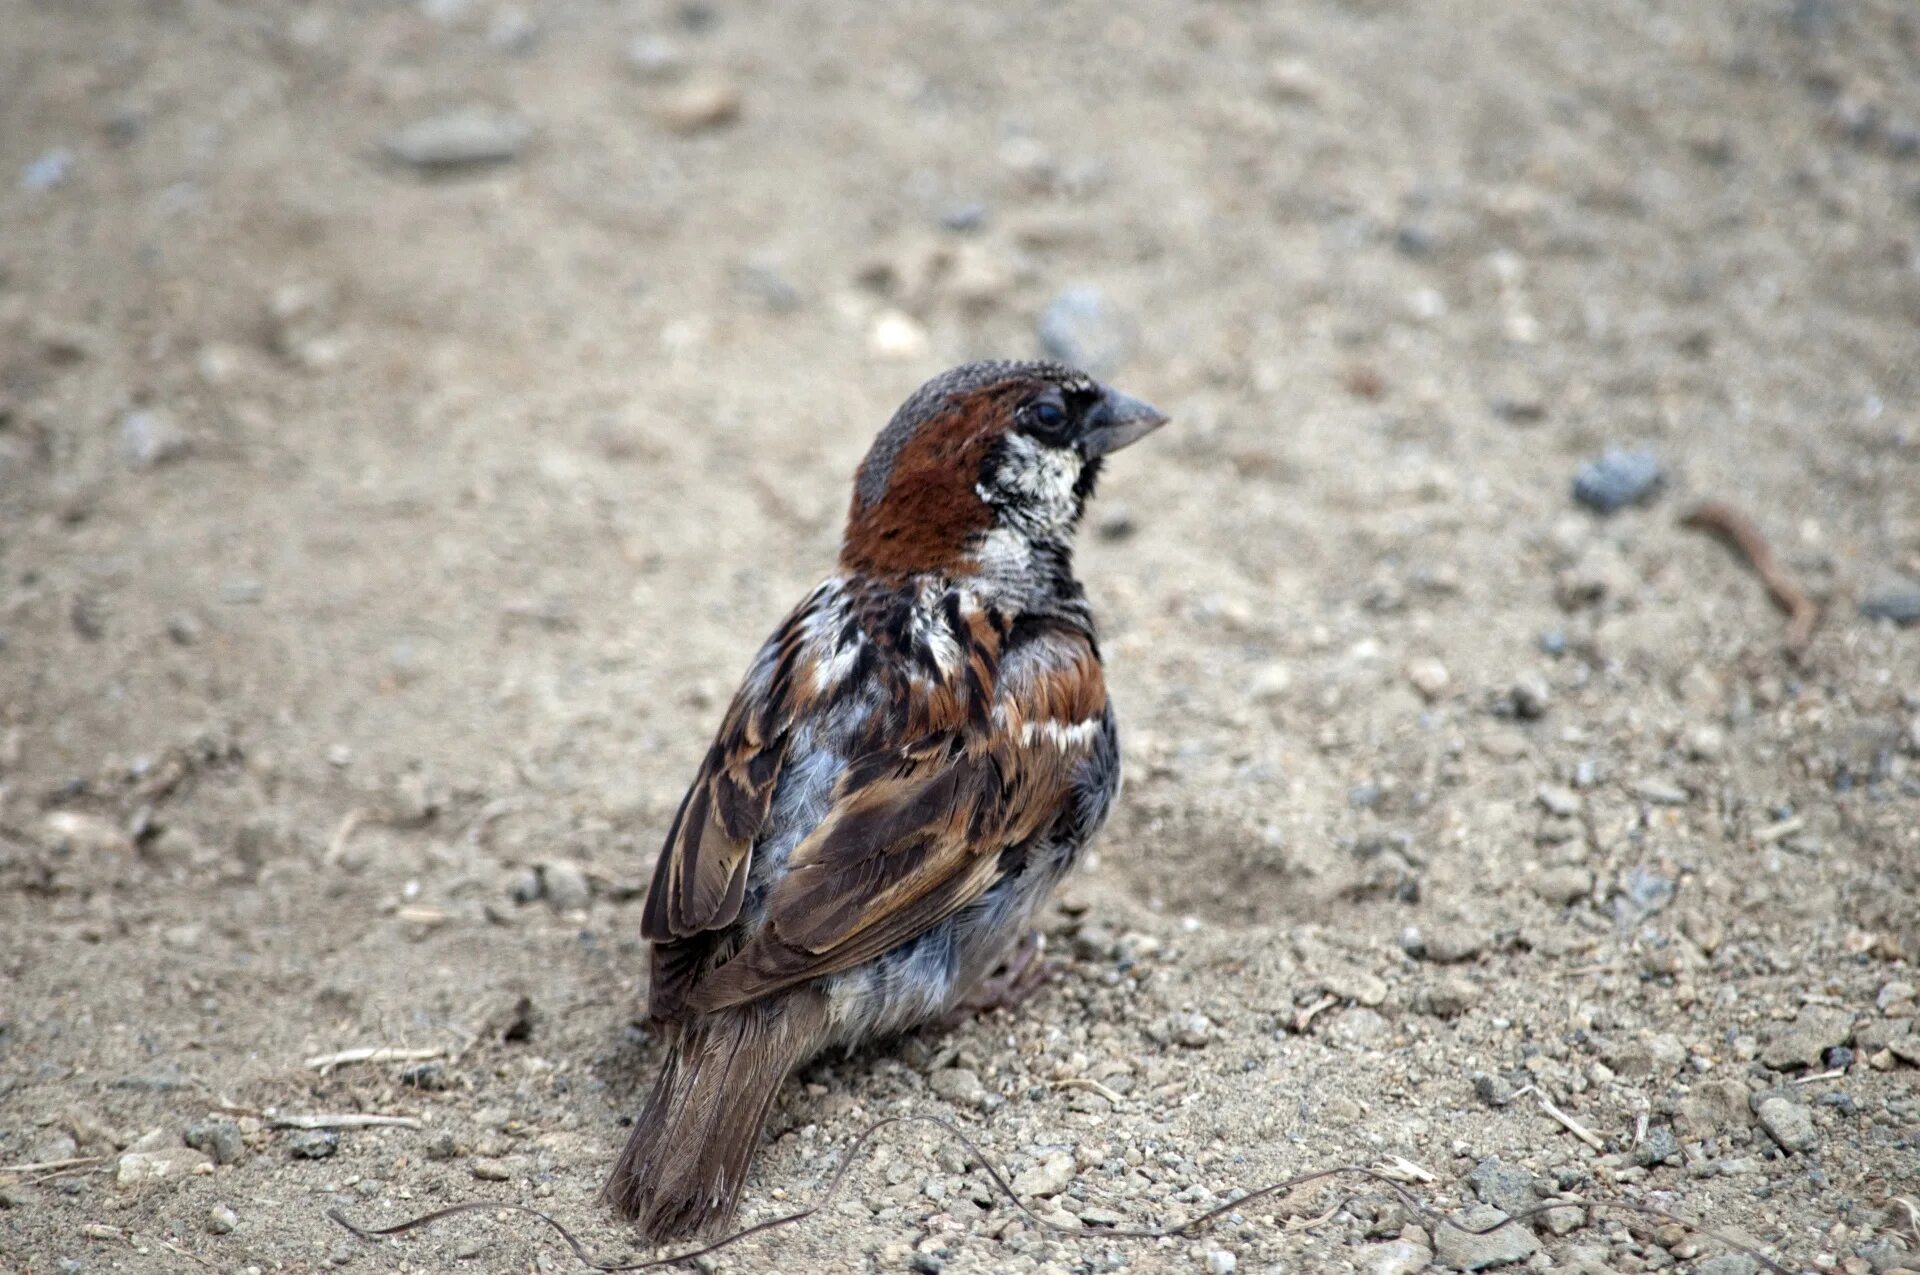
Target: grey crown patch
{"points": [[925, 403]]}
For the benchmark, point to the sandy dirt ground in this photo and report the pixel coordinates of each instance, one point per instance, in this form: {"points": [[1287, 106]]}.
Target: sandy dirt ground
{"points": [[413, 415]]}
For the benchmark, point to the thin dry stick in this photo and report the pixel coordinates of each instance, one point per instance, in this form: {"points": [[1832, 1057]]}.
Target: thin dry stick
{"points": [[72, 1162], [1188, 1228], [371, 1054], [1304, 1019], [1571, 1125], [1738, 530], [352, 1120], [1089, 1084]]}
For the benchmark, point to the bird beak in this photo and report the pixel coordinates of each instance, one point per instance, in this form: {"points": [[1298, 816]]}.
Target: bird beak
{"points": [[1119, 420]]}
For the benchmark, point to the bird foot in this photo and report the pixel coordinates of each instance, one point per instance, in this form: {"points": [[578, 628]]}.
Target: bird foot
{"points": [[1025, 971]]}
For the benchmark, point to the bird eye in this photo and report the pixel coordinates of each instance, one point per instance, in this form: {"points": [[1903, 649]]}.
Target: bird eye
{"points": [[1047, 418]]}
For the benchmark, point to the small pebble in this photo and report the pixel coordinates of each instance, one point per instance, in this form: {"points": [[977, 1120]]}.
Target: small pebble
{"points": [[1049, 1177], [1618, 479], [1706, 743], [1429, 677], [702, 106], [897, 336], [221, 1220], [467, 137], [1401, 1257], [1446, 944], [219, 1139], [565, 886], [956, 1085], [1530, 696], [1563, 885], [1467, 1252], [151, 438], [1902, 606], [1788, 1123], [1221, 1262], [314, 1144], [491, 1171], [1491, 1089], [46, 170]]}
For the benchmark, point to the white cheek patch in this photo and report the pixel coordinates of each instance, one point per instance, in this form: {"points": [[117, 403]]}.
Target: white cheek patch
{"points": [[1043, 476]]}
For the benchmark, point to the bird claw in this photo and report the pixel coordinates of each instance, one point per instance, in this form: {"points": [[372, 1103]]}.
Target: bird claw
{"points": [[1024, 972]]}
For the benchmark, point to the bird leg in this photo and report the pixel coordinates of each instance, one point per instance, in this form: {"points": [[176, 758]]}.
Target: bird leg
{"points": [[1024, 972]]}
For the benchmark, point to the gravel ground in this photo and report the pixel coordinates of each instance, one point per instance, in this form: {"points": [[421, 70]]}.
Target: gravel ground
{"points": [[412, 416]]}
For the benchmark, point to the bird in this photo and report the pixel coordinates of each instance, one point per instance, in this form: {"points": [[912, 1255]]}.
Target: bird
{"points": [[914, 760]]}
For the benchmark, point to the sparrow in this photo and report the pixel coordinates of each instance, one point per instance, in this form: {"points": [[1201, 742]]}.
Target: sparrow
{"points": [[915, 759]]}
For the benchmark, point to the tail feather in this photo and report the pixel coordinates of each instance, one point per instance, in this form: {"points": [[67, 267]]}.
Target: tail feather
{"points": [[687, 1157]]}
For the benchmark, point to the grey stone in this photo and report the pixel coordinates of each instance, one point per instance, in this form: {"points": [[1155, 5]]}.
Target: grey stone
{"points": [[314, 1144], [1491, 1089], [1788, 1123], [219, 1139], [1901, 605], [956, 1084], [1402, 1257], [565, 886], [1463, 1251], [163, 1077], [1047, 1177], [1727, 1264], [1530, 696], [1504, 1187], [1449, 943], [150, 438], [467, 137], [1618, 479], [1656, 1147], [46, 170], [1082, 328], [1805, 1041], [1563, 885], [221, 1220]]}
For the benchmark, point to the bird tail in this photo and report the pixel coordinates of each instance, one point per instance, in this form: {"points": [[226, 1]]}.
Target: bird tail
{"points": [[686, 1159]]}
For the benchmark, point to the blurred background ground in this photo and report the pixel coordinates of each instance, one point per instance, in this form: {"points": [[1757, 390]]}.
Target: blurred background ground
{"points": [[413, 415]]}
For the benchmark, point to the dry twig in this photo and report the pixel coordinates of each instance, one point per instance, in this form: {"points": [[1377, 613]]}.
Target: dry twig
{"points": [[1738, 530], [371, 1054], [1571, 1125], [44, 1166], [1304, 1019], [1089, 1084], [349, 1120]]}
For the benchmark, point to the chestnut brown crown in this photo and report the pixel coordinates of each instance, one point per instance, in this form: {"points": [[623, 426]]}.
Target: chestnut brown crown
{"points": [[992, 446]]}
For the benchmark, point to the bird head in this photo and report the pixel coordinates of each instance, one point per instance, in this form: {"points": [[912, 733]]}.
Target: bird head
{"points": [[982, 463]]}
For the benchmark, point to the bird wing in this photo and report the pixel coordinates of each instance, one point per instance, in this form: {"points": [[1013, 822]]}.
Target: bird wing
{"points": [[700, 878], [919, 829]]}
